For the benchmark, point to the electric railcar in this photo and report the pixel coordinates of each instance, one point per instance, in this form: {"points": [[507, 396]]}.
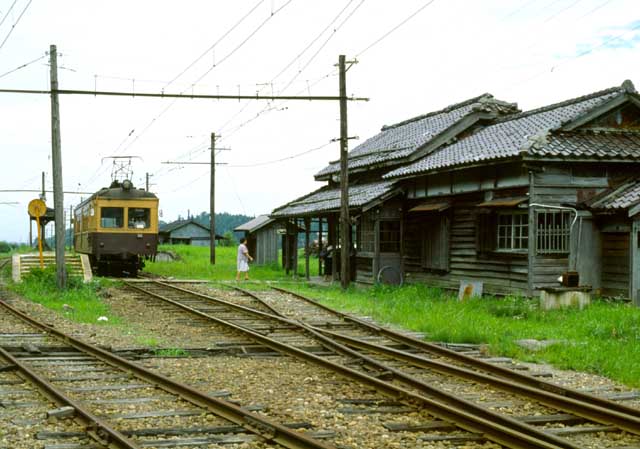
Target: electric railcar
{"points": [[117, 227]]}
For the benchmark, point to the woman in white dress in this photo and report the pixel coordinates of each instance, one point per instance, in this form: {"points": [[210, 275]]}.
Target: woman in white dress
{"points": [[243, 260]]}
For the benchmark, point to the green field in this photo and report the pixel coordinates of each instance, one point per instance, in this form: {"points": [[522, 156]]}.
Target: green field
{"points": [[193, 263]]}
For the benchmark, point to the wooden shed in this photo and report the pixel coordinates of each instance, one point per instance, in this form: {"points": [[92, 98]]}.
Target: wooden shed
{"points": [[262, 238]]}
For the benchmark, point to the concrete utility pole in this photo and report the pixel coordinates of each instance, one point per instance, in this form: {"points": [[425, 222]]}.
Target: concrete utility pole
{"points": [[345, 227], [56, 161], [212, 203]]}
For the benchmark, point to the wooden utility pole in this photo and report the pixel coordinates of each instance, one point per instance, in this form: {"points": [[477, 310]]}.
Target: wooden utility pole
{"points": [[56, 161], [147, 182], [212, 193], [212, 202], [345, 240]]}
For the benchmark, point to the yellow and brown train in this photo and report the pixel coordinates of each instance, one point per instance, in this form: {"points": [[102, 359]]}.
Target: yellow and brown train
{"points": [[118, 228]]}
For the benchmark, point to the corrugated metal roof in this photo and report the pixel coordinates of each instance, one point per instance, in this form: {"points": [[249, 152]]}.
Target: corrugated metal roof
{"points": [[327, 199], [402, 139], [255, 224], [504, 202], [431, 206], [510, 136]]}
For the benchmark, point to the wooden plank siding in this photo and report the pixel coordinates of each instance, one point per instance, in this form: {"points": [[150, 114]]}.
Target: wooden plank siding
{"points": [[266, 245], [500, 273], [558, 185], [615, 264]]}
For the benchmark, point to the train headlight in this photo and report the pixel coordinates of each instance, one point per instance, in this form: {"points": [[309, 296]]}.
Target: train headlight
{"points": [[101, 244], [139, 236]]}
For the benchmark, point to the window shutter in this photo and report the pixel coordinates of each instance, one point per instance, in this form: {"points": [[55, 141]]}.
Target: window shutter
{"points": [[485, 232], [435, 243]]}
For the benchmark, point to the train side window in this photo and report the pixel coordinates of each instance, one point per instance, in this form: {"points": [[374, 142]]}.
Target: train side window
{"points": [[139, 218], [111, 217]]}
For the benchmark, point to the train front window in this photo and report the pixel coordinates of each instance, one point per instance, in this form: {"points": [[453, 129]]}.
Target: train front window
{"points": [[139, 218], [111, 217]]}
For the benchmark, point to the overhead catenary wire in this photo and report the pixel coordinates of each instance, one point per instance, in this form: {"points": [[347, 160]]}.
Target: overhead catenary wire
{"points": [[367, 48], [286, 158], [8, 12], [13, 27], [388, 33], [166, 109], [224, 35], [268, 107], [26, 64], [241, 44]]}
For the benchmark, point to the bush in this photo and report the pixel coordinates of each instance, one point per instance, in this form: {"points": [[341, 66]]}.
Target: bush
{"points": [[5, 247], [230, 239]]}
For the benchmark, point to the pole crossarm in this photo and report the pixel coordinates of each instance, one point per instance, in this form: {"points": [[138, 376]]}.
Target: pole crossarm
{"points": [[189, 96], [193, 163], [40, 191]]}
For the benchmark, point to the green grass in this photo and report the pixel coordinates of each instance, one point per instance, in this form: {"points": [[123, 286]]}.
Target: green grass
{"points": [[602, 339], [79, 302], [193, 263]]}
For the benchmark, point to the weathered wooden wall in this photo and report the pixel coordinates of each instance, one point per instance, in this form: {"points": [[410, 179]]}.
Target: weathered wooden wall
{"points": [[370, 257], [561, 184], [266, 245], [500, 273]]}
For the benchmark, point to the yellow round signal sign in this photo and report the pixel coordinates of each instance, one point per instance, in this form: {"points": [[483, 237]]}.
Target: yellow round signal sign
{"points": [[37, 208]]}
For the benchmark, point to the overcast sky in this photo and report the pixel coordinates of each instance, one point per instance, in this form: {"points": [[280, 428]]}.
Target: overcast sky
{"points": [[532, 52]]}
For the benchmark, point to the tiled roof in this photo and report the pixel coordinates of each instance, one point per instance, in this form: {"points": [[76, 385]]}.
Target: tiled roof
{"points": [[623, 197], [510, 136], [328, 199], [402, 139], [254, 224], [619, 145]]}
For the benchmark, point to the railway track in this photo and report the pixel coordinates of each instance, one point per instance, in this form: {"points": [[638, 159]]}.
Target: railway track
{"points": [[118, 404], [409, 377]]}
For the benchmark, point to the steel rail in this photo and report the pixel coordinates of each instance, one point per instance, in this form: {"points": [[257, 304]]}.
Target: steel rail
{"points": [[97, 428], [273, 310], [479, 364], [495, 427], [254, 423], [579, 408]]}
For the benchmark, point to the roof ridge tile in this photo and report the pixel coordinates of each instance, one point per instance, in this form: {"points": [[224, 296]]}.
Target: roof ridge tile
{"points": [[561, 104], [446, 109]]}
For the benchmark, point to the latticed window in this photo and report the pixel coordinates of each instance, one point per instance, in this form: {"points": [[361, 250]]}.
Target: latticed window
{"points": [[366, 234], [389, 236], [512, 231], [553, 232]]}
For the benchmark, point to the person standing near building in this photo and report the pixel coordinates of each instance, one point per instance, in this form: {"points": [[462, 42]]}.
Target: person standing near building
{"points": [[243, 260]]}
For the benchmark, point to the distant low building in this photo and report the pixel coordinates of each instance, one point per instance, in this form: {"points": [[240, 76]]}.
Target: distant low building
{"points": [[186, 232], [262, 238]]}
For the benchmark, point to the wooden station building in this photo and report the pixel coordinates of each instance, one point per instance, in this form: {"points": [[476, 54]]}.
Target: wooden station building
{"points": [[481, 191]]}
